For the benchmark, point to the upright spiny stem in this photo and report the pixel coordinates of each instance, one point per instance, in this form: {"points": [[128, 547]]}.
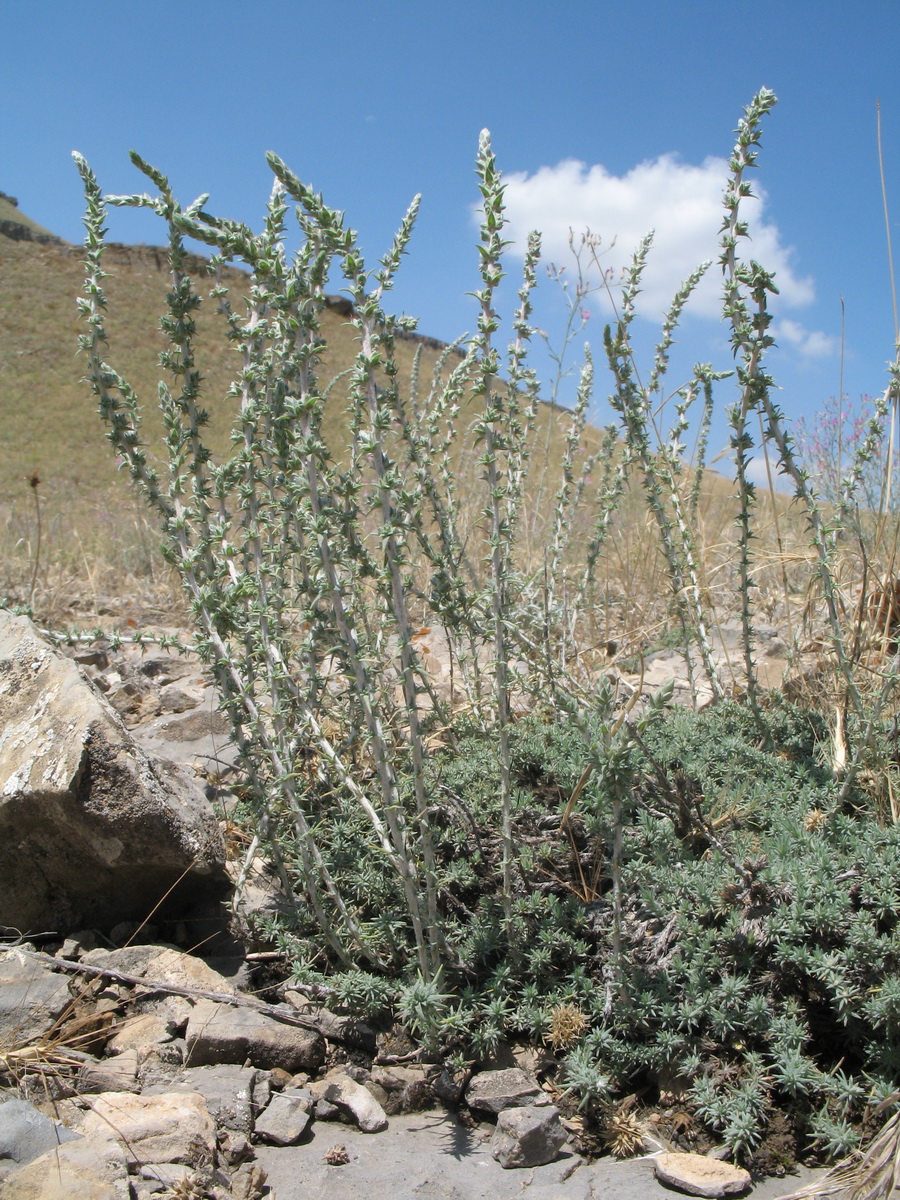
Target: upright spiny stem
{"points": [[750, 340], [492, 431]]}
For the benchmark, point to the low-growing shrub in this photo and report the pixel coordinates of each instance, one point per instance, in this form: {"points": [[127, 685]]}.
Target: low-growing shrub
{"points": [[759, 929]]}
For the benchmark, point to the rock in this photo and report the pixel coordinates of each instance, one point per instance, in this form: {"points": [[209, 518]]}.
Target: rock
{"points": [[670, 665], [233, 1094], [92, 1168], [175, 700], [233, 1148], [135, 701], [168, 1174], [248, 1182], [326, 1111], [173, 1128], [448, 1086], [396, 1078], [32, 997], [26, 1134], [415, 1097], [142, 688], [221, 1033], [527, 1137], [142, 1033], [162, 1066], [406, 1089], [163, 964], [493, 1091], [92, 832], [117, 1074], [91, 656], [286, 1118], [164, 669], [376, 1090], [195, 727], [339, 1089], [699, 1175], [233, 968], [71, 949]]}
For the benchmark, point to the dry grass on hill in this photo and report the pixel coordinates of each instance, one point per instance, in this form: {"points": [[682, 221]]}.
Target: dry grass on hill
{"points": [[95, 532], [98, 554]]}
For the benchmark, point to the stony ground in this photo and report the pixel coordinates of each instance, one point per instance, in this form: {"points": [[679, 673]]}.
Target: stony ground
{"points": [[173, 1081]]}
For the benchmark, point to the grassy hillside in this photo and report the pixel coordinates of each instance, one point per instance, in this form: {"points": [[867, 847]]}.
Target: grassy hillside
{"points": [[51, 429], [49, 417], [94, 533]]}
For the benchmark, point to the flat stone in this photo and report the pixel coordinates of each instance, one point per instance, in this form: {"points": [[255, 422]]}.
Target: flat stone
{"points": [[527, 1137], [493, 1091], [117, 1074], [285, 1119], [701, 1176], [142, 1033], [93, 1168], [175, 1127], [163, 964], [233, 1094], [26, 1133], [221, 1033]]}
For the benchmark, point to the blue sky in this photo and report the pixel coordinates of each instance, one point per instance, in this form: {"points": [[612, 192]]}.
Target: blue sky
{"points": [[614, 115]]}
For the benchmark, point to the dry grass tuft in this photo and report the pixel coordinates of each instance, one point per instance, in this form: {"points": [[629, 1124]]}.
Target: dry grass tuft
{"points": [[624, 1134], [566, 1024]]}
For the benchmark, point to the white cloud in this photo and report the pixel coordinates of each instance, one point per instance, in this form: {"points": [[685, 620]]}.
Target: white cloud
{"points": [[810, 343], [681, 202]]}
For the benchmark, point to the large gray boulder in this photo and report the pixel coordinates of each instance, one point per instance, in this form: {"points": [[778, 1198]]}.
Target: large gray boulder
{"points": [[92, 831]]}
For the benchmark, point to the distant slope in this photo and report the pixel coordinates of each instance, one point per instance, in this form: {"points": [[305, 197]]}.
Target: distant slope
{"points": [[49, 423], [15, 224], [48, 417]]}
